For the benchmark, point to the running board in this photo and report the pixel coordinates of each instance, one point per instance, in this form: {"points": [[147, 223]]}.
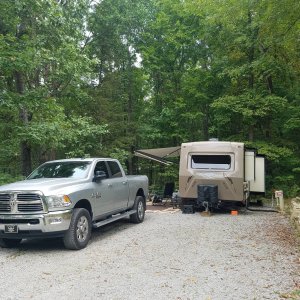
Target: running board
{"points": [[114, 218]]}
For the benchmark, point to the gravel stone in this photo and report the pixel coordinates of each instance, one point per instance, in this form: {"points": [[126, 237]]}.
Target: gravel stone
{"points": [[169, 256]]}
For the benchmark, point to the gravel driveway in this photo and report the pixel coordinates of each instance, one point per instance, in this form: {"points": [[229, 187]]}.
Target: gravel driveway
{"points": [[169, 256]]}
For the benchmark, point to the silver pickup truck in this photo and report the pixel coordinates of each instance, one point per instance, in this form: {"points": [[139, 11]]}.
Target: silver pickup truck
{"points": [[66, 198]]}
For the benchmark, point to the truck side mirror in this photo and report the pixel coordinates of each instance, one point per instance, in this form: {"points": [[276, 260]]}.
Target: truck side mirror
{"points": [[99, 175]]}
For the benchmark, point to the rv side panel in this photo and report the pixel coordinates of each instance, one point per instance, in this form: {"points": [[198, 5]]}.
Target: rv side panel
{"points": [[249, 165], [258, 184]]}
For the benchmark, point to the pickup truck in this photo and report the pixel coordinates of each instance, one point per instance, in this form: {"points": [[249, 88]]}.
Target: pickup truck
{"points": [[67, 198]]}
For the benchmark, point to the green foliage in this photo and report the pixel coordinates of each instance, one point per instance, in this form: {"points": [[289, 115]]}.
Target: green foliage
{"points": [[282, 167], [122, 155], [252, 111], [43, 63], [102, 78], [6, 178], [82, 138]]}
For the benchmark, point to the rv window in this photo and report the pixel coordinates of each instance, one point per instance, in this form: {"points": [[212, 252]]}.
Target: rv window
{"points": [[217, 162]]}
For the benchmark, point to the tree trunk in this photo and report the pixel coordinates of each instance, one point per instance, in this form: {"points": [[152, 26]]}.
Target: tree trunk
{"points": [[26, 158], [205, 126], [251, 133], [130, 126], [251, 56], [251, 52], [26, 165], [129, 131]]}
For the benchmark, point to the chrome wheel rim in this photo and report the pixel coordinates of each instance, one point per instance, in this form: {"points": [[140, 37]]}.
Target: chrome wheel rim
{"points": [[82, 229], [140, 210]]}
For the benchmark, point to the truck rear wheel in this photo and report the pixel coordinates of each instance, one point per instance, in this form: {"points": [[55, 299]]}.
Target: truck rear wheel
{"points": [[79, 233], [9, 243], [140, 207]]}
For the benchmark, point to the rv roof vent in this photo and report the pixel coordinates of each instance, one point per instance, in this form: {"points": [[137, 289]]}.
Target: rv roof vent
{"points": [[214, 140]]}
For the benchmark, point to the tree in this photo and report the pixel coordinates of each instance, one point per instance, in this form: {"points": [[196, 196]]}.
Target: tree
{"points": [[43, 63], [176, 59], [157, 72], [118, 81], [258, 61]]}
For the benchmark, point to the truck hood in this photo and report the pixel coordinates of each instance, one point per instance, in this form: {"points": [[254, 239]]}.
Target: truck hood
{"points": [[47, 186]]}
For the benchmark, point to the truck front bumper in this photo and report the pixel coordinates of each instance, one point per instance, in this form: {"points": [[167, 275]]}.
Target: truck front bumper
{"points": [[40, 225]]}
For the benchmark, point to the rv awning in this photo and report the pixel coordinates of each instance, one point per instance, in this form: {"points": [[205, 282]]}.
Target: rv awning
{"points": [[159, 154]]}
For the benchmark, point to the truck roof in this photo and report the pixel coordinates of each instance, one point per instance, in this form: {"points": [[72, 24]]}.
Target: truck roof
{"points": [[81, 159]]}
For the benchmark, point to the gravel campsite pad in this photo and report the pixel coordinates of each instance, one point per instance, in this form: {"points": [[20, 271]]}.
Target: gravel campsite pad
{"points": [[169, 256]]}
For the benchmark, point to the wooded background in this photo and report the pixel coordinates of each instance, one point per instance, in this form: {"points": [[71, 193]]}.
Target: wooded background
{"points": [[102, 78]]}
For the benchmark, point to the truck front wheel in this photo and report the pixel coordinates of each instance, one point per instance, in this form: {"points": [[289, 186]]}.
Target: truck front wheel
{"points": [[79, 233], [139, 207]]}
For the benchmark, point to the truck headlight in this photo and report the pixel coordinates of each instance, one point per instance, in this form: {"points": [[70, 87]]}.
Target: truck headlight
{"points": [[58, 201]]}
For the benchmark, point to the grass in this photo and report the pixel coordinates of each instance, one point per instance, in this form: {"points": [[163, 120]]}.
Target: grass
{"points": [[294, 295]]}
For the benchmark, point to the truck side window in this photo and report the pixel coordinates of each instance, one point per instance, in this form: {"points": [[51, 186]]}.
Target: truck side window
{"points": [[101, 166], [114, 169]]}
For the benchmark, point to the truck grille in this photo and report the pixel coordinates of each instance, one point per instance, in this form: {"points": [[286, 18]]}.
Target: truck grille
{"points": [[4, 202], [21, 202]]}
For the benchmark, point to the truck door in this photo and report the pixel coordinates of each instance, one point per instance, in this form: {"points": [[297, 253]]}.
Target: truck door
{"points": [[119, 186], [102, 194]]}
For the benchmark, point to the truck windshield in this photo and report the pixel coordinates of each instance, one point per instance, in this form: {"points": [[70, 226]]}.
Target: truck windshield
{"points": [[74, 169]]}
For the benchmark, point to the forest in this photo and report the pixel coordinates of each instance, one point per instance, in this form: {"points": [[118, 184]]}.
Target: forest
{"points": [[82, 78]]}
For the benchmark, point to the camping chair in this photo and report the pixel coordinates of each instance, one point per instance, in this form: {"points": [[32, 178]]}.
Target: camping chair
{"points": [[162, 199], [176, 200]]}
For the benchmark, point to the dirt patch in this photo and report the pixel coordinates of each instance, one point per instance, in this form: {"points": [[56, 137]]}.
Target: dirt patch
{"points": [[277, 232], [170, 255], [160, 207]]}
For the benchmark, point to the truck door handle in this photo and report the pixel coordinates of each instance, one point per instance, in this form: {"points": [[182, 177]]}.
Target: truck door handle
{"points": [[124, 182], [109, 185]]}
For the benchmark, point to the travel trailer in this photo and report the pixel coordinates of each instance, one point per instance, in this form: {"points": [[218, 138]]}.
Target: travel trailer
{"points": [[214, 173]]}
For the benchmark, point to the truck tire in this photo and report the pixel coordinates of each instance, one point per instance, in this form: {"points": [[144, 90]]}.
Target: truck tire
{"points": [[140, 207], [79, 232], [9, 243]]}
